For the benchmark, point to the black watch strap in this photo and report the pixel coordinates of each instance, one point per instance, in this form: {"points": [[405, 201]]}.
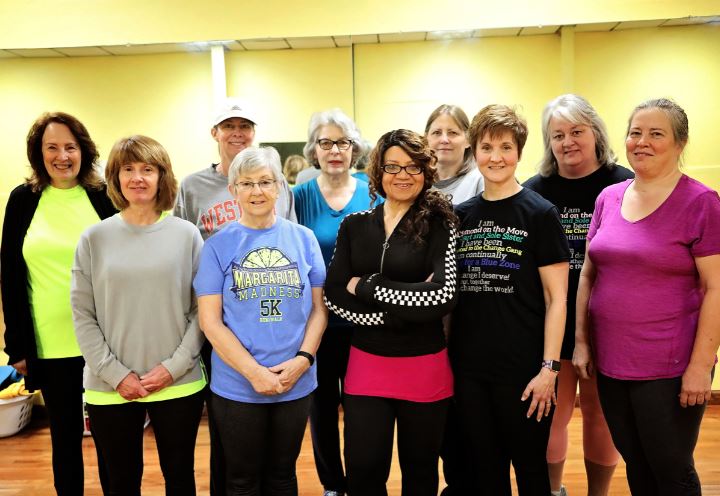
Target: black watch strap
{"points": [[306, 355]]}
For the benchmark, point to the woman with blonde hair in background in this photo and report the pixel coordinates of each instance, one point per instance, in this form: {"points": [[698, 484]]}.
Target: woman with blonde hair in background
{"points": [[293, 165], [458, 176], [576, 166]]}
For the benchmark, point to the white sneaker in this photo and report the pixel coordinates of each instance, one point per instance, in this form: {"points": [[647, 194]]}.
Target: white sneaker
{"points": [[332, 493], [561, 492]]}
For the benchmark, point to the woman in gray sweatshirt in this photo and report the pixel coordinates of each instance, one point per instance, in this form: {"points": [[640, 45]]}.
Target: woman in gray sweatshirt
{"points": [[135, 317]]}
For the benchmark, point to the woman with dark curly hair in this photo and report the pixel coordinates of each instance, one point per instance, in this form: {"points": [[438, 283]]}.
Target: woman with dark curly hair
{"points": [[43, 221], [393, 276]]}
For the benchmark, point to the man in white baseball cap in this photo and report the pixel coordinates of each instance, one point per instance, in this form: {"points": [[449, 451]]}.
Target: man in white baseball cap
{"points": [[205, 201], [204, 198]]}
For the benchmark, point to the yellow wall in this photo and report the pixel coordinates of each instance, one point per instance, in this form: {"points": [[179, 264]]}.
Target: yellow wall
{"points": [[287, 86], [68, 23], [618, 70], [167, 97]]}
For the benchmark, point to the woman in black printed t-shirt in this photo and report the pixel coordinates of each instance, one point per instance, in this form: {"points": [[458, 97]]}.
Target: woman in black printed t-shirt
{"points": [[512, 269]]}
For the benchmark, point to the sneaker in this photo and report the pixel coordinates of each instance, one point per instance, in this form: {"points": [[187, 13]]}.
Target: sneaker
{"points": [[332, 493], [561, 492]]}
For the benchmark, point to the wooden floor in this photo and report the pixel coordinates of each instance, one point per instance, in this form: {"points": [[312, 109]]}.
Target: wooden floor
{"points": [[25, 463]]}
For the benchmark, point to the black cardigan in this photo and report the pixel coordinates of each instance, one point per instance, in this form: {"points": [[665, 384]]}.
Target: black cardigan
{"points": [[397, 311], [19, 331]]}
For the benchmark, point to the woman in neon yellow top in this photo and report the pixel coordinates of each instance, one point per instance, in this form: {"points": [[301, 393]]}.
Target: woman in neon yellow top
{"points": [[43, 221], [136, 321]]}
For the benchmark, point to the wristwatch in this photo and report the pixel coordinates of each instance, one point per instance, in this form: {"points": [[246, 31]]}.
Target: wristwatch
{"points": [[553, 365]]}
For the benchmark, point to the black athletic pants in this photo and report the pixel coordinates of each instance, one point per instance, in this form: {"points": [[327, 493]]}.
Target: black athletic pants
{"points": [[332, 360], [497, 432], [654, 434], [261, 444], [369, 431]]}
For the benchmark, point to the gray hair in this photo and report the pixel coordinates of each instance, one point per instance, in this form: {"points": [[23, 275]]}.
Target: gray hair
{"points": [[334, 117], [576, 110], [253, 158], [676, 114]]}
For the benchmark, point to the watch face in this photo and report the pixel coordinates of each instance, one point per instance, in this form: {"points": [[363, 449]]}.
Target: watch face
{"points": [[553, 365]]}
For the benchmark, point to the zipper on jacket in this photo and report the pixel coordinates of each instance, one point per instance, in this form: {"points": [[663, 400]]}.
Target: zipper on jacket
{"points": [[386, 245]]}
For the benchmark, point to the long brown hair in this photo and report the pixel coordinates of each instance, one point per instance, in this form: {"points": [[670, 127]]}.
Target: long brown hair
{"points": [[429, 203]]}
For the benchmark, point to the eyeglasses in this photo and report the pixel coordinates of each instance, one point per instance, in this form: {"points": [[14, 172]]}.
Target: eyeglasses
{"points": [[264, 184], [413, 170], [327, 144]]}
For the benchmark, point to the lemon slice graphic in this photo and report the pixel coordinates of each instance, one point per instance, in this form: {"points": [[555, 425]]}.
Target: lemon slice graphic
{"points": [[264, 258]]}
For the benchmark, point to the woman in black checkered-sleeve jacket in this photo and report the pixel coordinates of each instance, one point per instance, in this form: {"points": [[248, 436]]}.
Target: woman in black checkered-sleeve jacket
{"points": [[393, 276]]}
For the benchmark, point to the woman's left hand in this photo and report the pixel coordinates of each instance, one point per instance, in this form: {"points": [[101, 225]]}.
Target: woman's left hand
{"points": [[696, 386], [352, 284], [290, 371], [158, 378], [542, 390]]}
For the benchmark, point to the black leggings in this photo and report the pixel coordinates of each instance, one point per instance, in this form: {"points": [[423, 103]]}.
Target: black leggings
{"points": [[332, 360], [654, 434], [61, 380], [261, 443], [118, 433], [497, 432], [217, 461], [369, 430]]}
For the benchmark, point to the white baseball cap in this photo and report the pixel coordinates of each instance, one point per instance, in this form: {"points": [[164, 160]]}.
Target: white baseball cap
{"points": [[234, 107]]}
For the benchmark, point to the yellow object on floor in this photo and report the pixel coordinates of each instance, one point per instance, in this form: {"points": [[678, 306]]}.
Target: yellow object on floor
{"points": [[14, 390]]}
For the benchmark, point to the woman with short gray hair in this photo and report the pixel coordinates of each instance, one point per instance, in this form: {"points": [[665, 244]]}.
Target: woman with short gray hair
{"points": [[577, 165], [259, 288], [334, 144]]}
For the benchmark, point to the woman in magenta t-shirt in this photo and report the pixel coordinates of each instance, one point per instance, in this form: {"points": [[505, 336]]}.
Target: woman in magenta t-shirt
{"points": [[649, 302]]}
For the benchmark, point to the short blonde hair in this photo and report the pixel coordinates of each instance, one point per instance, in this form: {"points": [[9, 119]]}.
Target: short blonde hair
{"points": [[138, 148]]}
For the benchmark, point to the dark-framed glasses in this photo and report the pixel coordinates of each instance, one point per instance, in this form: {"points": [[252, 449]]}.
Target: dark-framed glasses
{"points": [[413, 169], [327, 144], [263, 184]]}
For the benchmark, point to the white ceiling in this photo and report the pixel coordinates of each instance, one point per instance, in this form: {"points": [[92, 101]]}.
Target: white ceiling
{"points": [[341, 41]]}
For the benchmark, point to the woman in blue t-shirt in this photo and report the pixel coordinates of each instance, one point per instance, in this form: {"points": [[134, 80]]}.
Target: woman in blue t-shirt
{"points": [[259, 290], [334, 143]]}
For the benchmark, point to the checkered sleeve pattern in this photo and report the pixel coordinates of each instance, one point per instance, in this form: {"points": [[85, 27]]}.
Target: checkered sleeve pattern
{"points": [[363, 319], [337, 299], [425, 298]]}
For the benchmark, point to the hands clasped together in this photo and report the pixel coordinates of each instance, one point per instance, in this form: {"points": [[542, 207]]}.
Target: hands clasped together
{"points": [[134, 387], [279, 378]]}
